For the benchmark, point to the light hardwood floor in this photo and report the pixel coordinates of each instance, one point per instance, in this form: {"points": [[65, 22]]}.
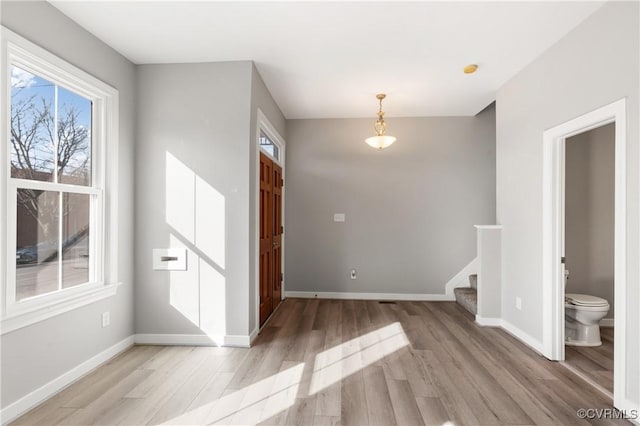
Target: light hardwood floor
{"points": [[325, 362], [596, 363]]}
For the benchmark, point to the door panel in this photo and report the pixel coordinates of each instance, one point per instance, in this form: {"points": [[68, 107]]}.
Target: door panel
{"points": [[277, 234], [266, 233], [270, 236]]}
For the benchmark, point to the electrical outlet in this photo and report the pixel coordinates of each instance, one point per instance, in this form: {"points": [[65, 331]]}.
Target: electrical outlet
{"points": [[106, 319], [518, 303], [354, 274]]}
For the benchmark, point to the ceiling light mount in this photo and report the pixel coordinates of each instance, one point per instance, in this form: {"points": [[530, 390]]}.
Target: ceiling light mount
{"points": [[470, 69], [380, 141]]}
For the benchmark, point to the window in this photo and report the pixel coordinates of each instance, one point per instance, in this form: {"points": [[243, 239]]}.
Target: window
{"points": [[269, 146], [60, 138], [50, 145]]}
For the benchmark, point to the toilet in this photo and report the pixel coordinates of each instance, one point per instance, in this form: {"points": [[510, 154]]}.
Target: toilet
{"points": [[582, 315]]}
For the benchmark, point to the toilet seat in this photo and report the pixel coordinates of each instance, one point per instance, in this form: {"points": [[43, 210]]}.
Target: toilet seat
{"points": [[585, 300]]}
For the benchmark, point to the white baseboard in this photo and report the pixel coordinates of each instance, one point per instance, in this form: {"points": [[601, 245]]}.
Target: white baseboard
{"points": [[525, 338], [192, 340], [489, 322], [534, 344], [253, 335], [461, 279], [237, 341], [27, 402], [368, 296], [606, 322]]}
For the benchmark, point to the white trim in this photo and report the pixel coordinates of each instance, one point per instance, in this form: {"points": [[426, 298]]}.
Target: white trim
{"points": [[263, 123], [51, 186], [27, 402], [461, 279], [237, 341], [607, 322], [253, 335], [111, 187], [178, 339], [489, 322], [370, 296], [487, 226], [5, 149], [42, 312], [525, 338], [192, 340], [553, 235]]}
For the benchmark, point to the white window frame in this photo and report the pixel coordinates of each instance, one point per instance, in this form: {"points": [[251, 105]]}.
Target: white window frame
{"points": [[103, 274]]}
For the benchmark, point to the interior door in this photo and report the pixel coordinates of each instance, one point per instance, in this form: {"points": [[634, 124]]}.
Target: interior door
{"points": [[270, 236]]}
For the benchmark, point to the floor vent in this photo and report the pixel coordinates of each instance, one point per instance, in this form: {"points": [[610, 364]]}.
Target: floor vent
{"points": [[387, 302]]}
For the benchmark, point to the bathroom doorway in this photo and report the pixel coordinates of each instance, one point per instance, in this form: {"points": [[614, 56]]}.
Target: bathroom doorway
{"points": [[589, 254], [553, 242]]}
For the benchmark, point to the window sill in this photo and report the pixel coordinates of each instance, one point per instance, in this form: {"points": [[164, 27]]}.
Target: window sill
{"points": [[16, 321]]}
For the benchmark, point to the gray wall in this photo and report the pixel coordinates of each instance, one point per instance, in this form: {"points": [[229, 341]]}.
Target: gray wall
{"points": [[410, 209], [192, 183], [589, 213], [594, 65], [35, 355], [260, 98]]}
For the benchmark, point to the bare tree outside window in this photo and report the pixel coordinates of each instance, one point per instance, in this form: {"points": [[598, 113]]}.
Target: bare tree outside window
{"points": [[50, 142]]}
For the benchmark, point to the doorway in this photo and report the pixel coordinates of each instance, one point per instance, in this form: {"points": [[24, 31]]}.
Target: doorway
{"points": [[553, 241], [589, 254], [270, 236]]}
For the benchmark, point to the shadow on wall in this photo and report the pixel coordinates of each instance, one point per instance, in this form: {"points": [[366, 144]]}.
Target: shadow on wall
{"points": [[195, 213]]}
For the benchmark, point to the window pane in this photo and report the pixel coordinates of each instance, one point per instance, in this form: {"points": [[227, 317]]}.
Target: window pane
{"points": [[268, 146], [74, 136], [75, 240], [32, 126], [38, 217]]}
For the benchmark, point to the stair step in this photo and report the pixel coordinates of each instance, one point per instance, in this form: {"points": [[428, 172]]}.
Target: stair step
{"points": [[467, 297], [473, 280]]}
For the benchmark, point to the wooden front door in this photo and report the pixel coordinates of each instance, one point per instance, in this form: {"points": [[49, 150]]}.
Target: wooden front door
{"points": [[270, 236]]}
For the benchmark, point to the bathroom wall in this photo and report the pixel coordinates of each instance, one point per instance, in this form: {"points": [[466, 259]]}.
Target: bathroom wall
{"points": [[594, 65], [590, 213]]}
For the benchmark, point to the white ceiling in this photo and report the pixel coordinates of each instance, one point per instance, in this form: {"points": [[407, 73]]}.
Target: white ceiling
{"points": [[329, 59]]}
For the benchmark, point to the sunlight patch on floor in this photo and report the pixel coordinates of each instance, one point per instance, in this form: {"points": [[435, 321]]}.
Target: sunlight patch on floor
{"points": [[250, 405], [333, 365]]}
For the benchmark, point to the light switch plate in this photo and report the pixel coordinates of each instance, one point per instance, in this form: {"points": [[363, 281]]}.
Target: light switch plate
{"points": [[172, 259], [338, 217]]}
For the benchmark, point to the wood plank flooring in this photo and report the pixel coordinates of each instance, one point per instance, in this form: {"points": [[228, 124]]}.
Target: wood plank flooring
{"points": [[328, 362], [596, 363]]}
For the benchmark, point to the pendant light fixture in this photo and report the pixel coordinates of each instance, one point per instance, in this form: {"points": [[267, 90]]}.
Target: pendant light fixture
{"points": [[380, 141]]}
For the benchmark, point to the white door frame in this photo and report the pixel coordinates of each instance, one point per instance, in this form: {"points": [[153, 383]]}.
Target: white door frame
{"points": [[263, 124], [553, 235]]}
